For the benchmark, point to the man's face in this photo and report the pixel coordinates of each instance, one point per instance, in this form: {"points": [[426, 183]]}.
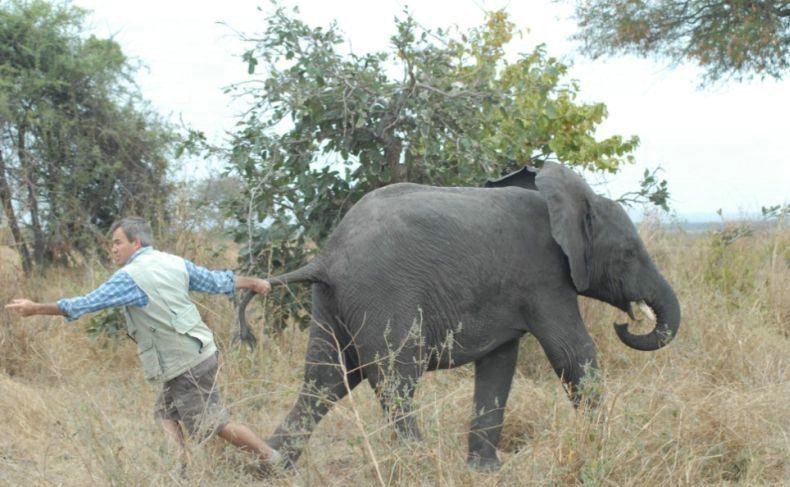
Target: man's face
{"points": [[122, 248]]}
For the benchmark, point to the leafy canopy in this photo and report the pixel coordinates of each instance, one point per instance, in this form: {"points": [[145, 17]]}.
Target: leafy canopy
{"points": [[740, 39], [444, 107]]}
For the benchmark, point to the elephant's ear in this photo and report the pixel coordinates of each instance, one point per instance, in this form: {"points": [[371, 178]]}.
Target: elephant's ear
{"points": [[569, 199], [523, 178]]}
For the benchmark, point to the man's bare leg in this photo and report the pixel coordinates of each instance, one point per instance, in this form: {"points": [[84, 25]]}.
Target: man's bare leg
{"points": [[241, 436], [176, 436]]}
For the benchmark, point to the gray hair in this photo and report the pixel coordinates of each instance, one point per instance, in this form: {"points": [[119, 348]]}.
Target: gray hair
{"points": [[135, 228]]}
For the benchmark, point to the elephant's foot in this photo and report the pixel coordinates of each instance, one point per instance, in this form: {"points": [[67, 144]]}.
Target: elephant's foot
{"points": [[484, 463]]}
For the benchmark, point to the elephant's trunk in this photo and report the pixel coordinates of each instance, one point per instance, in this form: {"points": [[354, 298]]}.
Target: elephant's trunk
{"points": [[666, 307]]}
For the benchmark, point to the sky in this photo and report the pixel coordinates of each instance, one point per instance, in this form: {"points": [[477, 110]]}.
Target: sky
{"points": [[725, 147]]}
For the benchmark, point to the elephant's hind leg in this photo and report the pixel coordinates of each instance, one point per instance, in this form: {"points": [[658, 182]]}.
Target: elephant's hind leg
{"points": [[330, 373], [395, 391], [493, 378]]}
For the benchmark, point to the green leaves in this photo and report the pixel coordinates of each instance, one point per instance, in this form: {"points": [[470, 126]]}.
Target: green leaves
{"points": [[249, 58], [652, 189]]}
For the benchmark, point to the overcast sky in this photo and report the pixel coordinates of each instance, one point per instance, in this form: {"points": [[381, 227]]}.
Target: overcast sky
{"points": [[723, 147]]}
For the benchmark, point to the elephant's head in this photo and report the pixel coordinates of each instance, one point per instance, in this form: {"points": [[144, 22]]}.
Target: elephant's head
{"points": [[607, 259]]}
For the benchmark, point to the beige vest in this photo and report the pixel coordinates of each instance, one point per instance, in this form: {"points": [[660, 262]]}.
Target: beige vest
{"points": [[171, 337]]}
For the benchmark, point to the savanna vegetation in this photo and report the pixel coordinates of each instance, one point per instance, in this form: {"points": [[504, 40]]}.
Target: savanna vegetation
{"points": [[710, 409], [79, 147]]}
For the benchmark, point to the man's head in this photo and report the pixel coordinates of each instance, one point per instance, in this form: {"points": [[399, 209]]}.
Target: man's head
{"points": [[128, 235]]}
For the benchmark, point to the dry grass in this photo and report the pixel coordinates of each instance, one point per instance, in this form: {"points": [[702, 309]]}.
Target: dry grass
{"points": [[713, 408]]}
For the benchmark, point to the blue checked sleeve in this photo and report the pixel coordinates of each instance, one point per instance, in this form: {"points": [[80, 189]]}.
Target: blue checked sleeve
{"points": [[118, 290], [208, 281]]}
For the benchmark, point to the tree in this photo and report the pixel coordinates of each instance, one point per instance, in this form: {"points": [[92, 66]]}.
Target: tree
{"points": [[740, 39], [442, 107], [78, 147]]}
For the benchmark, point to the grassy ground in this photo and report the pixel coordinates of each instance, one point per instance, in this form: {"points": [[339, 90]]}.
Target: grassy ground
{"points": [[713, 408]]}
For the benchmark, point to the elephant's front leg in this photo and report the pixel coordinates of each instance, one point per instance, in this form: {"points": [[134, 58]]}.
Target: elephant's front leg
{"points": [[323, 385], [571, 351], [493, 378]]}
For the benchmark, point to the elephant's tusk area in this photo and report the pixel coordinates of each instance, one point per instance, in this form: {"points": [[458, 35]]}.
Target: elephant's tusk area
{"points": [[645, 308], [631, 313]]}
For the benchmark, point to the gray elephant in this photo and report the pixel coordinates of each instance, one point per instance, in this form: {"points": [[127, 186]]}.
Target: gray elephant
{"points": [[418, 278]]}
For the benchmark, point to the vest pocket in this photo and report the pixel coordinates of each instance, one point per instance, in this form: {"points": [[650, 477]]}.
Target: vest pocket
{"points": [[188, 322], [149, 357], [185, 320]]}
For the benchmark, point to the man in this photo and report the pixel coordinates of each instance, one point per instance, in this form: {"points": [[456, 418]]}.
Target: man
{"points": [[174, 345]]}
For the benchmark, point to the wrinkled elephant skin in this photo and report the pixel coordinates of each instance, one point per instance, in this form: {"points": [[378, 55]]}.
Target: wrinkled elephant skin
{"points": [[418, 278]]}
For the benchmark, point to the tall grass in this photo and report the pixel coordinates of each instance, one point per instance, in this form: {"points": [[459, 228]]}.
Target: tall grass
{"points": [[713, 408]]}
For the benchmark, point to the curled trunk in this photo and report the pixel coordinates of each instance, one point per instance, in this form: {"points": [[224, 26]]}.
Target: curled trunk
{"points": [[667, 310]]}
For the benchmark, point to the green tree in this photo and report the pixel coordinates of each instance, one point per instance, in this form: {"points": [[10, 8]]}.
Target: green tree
{"points": [[78, 147], [737, 39], [441, 107]]}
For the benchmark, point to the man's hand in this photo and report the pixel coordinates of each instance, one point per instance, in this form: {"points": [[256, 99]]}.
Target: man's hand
{"points": [[24, 307], [260, 286]]}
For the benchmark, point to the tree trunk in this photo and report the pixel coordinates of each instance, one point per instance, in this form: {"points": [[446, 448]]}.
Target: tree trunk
{"points": [[392, 152], [13, 224], [28, 174], [59, 247]]}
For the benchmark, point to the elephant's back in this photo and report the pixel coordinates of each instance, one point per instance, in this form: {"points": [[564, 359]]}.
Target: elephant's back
{"points": [[405, 225], [477, 209]]}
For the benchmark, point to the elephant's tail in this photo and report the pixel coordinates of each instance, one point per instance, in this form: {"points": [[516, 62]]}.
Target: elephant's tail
{"points": [[308, 273]]}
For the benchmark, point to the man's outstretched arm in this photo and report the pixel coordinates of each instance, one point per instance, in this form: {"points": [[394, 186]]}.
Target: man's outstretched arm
{"points": [[222, 281], [26, 307], [118, 290]]}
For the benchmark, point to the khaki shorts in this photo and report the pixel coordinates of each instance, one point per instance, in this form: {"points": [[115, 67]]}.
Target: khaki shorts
{"points": [[193, 399]]}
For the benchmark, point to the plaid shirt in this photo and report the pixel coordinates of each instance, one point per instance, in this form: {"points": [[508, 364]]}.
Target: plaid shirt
{"points": [[121, 290]]}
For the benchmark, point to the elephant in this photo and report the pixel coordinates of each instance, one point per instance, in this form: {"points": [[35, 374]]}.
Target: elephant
{"points": [[418, 278]]}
